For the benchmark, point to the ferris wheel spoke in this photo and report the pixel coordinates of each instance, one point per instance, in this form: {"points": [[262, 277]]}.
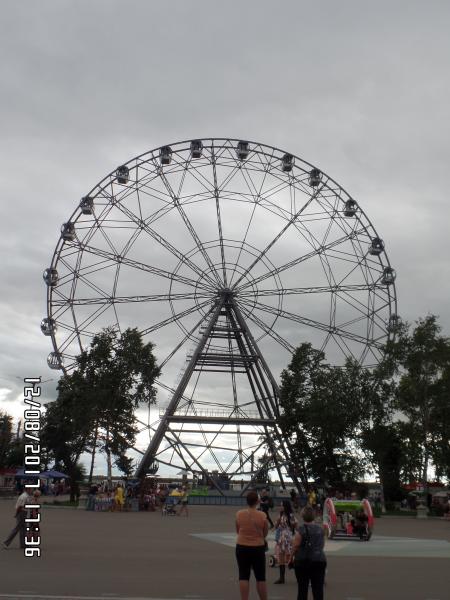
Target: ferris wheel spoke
{"points": [[266, 328], [312, 290], [353, 269], [186, 337], [356, 304], [165, 243], [276, 238], [76, 276], [256, 200], [175, 317], [190, 228], [231, 175], [129, 299], [139, 265], [106, 237], [344, 347], [80, 328], [219, 220], [294, 262], [84, 272], [310, 322], [242, 244], [254, 190]]}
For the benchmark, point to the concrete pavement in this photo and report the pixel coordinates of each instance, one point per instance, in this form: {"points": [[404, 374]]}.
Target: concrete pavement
{"points": [[88, 555]]}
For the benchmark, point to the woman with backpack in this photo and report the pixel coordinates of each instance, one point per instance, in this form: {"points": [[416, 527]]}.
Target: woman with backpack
{"points": [[308, 557]]}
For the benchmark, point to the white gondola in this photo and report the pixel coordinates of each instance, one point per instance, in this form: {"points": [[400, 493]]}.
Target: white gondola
{"points": [[350, 208], [287, 162], [48, 326], [388, 276], [68, 231], [393, 323], [376, 246], [123, 174], [242, 150], [87, 205], [165, 155], [196, 148], [315, 177], [50, 277], [55, 360]]}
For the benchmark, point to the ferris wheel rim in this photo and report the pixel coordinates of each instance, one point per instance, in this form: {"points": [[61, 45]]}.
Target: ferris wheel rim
{"points": [[391, 291]]}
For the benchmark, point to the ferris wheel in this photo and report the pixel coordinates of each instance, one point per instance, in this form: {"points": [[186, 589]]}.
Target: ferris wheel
{"points": [[169, 234]]}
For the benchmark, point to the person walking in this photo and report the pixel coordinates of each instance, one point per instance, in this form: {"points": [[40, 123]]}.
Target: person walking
{"points": [[294, 499], [312, 498], [20, 516], [162, 496], [184, 502], [265, 505], [90, 504], [284, 533], [251, 528], [119, 499], [308, 557]]}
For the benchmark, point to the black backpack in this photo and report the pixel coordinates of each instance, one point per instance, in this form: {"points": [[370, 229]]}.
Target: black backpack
{"points": [[306, 549]]}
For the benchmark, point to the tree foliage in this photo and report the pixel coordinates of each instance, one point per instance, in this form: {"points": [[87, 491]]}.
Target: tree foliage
{"points": [[6, 437], [321, 413], [421, 360], [394, 420], [96, 402]]}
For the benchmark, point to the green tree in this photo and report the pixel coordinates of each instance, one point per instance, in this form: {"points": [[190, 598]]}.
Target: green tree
{"points": [[422, 362], [66, 426], [380, 438], [440, 432], [125, 464], [321, 414], [6, 436], [96, 402], [385, 444], [263, 466]]}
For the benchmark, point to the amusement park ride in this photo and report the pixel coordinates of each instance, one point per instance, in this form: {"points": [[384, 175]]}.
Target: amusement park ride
{"points": [[235, 252]]}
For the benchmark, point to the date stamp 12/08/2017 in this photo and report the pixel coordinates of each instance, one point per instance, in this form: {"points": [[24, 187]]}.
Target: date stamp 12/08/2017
{"points": [[32, 464]]}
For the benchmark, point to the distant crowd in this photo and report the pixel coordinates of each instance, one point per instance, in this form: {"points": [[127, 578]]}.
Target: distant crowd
{"points": [[121, 497]]}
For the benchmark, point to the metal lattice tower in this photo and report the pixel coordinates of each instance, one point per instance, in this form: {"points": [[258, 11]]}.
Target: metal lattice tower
{"points": [[226, 347]]}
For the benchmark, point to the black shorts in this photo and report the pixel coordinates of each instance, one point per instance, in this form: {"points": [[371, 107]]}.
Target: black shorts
{"points": [[251, 557]]}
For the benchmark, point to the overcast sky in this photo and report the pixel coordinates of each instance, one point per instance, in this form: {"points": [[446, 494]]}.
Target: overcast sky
{"points": [[360, 89]]}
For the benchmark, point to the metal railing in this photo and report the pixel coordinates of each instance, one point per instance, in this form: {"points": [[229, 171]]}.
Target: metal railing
{"points": [[213, 413]]}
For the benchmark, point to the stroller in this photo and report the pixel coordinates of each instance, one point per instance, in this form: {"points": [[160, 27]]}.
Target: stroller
{"points": [[169, 507]]}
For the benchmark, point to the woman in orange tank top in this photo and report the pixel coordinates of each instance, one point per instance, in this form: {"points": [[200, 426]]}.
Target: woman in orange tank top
{"points": [[252, 528]]}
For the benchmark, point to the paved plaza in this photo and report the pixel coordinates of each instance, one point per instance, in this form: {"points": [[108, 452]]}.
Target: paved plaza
{"points": [[143, 556]]}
